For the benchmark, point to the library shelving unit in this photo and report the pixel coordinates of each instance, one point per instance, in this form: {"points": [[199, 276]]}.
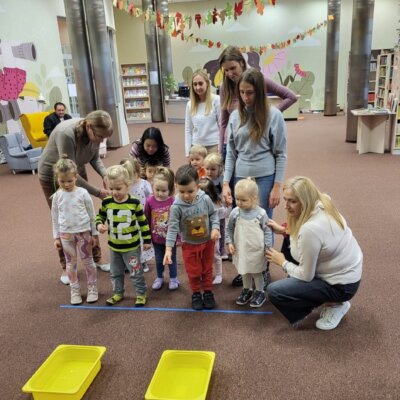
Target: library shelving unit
{"points": [[372, 77], [394, 103], [384, 73], [135, 87]]}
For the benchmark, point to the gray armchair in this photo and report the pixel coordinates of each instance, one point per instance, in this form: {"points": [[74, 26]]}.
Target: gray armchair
{"points": [[18, 159]]}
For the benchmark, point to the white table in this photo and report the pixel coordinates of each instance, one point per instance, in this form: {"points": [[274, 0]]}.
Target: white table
{"points": [[373, 131], [175, 110], [291, 113]]}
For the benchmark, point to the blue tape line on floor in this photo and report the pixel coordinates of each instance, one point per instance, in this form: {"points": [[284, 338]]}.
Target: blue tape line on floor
{"points": [[113, 308]]}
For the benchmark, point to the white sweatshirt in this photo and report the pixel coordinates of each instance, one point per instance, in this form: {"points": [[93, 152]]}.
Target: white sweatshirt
{"points": [[200, 128], [325, 251]]}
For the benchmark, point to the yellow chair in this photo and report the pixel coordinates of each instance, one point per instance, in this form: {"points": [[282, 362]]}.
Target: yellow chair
{"points": [[33, 127]]}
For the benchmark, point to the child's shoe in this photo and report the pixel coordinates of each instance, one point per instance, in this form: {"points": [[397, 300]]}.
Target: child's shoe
{"points": [[145, 267], [173, 284], [76, 297], [208, 300], [244, 297], [114, 299], [258, 299], [158, 284], [140, 300], [93, 294], [64, 278], [217, 280], [197, 301]]}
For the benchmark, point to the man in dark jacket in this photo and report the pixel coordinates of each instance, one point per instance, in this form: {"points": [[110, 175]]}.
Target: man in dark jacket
{"points": [[53, 119]]}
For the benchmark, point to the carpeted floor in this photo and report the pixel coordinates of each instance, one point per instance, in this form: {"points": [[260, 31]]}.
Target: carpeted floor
{"points": [[257, 356]]}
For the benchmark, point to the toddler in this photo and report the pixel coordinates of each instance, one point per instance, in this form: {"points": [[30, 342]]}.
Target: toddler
{"points": [[73, 218], [197, 154], [150, 168]]}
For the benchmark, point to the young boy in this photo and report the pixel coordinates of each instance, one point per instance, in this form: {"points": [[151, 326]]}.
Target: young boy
{"points": [[197, 154], [193, 216]]}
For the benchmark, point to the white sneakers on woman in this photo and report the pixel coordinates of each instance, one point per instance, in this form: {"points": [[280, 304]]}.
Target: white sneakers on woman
{"points": [[331, 316]]}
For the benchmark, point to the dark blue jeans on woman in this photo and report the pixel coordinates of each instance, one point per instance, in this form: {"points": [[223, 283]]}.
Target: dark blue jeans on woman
{"points": [[295, 299], [159, 251]]}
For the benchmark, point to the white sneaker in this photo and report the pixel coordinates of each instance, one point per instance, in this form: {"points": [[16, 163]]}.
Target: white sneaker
{"points": [[75, 296], [93, 295], [64, 279], [217, 280], [331, 316], [224, 257], [103, 267], [158, 284]]}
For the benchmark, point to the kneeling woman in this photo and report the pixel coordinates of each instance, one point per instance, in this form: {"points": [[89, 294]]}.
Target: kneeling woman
{"points": [[330, 259]]}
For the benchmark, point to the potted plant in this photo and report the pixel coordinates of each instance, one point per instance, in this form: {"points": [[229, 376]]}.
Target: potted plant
{"points": [[170, 85]]}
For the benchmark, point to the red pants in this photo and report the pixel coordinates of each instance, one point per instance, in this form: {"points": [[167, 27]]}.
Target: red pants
{"points": [[198, 260]]}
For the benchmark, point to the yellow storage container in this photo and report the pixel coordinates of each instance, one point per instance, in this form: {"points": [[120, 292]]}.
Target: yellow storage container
{"points": [[66, 374], [181, 375]]}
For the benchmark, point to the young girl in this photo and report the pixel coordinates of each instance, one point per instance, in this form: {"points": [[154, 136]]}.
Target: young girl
{"points": [[150, 147], [74, 228], [141, 189], [208, 187], [157, 213], [248, 238], [214, 166], [127, 228], [150, 168], [202, 115]]}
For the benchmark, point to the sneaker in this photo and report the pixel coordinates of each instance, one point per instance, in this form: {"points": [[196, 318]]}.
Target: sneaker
{"points": [[103, 267], [93, 295], [331, 316], [237, 281], [224, 257], [267, 279], [64, 279], [114, 299], [158, 284], [258, 299], [208, 300], [173, 284], [244, 297], [217, 280], [75, 296], [197, 301], [140, 300], [145, 267]]}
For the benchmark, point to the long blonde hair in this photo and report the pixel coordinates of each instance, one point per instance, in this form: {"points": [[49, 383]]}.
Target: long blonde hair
{"points": [[308, 195], [259, 117], [195, 99], [100, 122]]}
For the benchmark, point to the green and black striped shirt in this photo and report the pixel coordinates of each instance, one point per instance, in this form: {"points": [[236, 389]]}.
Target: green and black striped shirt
{"points": [[124, 219]]}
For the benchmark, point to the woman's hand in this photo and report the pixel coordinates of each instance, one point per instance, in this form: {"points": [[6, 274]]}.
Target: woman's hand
{"points": [[231, 248], [275, 195], [275, 227], [105, 183], [57, 244], [275, 257], [104, 193], [226, 194]]}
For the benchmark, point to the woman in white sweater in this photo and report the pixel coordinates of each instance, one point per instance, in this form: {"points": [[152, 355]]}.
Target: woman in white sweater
{"points": [[202, 115], [330, 259]]}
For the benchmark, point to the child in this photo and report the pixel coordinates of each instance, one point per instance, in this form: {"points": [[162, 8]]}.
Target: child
{"points": [[141, 189], [209, 188], [248, 238], [197, 154], [150, 147], [194, 216], [214, 166], [157, 211], [74, 228], [150, 168], [127, 226]]}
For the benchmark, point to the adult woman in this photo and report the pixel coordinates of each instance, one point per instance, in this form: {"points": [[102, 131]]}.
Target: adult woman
{"points": [[79, 140], [330, 259], [202, 115], [233, 64], [150, 147]]}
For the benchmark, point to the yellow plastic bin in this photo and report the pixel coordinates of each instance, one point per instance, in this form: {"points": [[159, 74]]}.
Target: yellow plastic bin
{"points": [[181, 375], [66, 374]]}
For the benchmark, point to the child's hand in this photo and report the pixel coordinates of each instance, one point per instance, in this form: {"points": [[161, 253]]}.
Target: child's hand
{"points": [[167, 256], [146, 247], [95, 240], [215, 234], [102, 228], [231, 248], [275, 227], [57, 244]]}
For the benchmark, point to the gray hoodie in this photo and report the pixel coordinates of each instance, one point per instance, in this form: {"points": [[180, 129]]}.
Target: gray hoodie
{"points": [[193, 221]]}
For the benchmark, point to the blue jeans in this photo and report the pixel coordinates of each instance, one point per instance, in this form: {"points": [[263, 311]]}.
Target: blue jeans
{"points": [[265, 184], [159, 251], [295, 299]]}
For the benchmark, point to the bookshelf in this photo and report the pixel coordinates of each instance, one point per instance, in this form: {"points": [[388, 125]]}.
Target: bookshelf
{"points": [[383, 84], [394, 103], [135, 87], [372, 77]]}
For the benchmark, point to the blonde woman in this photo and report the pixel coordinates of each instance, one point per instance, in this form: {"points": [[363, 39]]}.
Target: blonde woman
{"points": [[330, 259], [202, 115]]}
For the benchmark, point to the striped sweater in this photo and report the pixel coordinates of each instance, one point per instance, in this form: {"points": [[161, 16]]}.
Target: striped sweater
{"points": [[124, 219]]}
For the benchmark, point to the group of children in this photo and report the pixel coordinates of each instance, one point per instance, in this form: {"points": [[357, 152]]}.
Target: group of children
{"points": [[150, 210]]}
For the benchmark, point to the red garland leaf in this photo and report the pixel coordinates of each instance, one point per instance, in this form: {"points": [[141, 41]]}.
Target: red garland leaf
{"points": [[214, 16], [210, 44], [174, 33], [197, 18], [238, 8], [273, 46], [218, 45]]}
